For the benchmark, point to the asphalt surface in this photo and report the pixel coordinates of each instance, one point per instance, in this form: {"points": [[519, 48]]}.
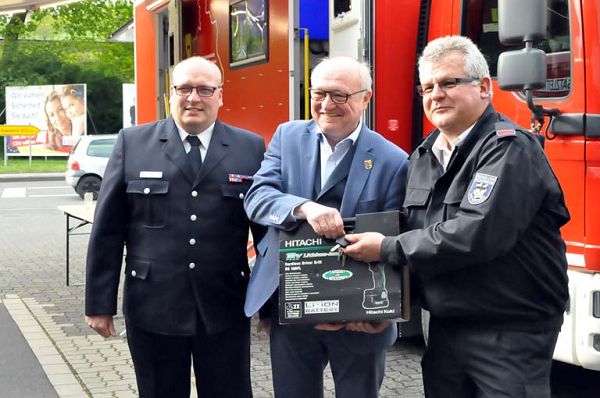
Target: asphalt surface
{"points": [[21, 375]]}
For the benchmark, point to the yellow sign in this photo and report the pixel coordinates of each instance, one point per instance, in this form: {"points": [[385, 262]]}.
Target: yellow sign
{"points": [[18, 130]]}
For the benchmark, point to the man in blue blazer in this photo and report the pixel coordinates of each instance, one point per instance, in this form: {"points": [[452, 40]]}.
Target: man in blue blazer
{"points": [[173, 194], [321, 171]]}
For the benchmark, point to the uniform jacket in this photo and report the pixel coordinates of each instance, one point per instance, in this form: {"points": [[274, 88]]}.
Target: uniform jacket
{"points": [[185, 233], [485, 240], [286, 179]]}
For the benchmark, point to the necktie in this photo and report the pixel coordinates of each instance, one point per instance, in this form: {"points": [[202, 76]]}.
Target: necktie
{"points": [[194, 154]]}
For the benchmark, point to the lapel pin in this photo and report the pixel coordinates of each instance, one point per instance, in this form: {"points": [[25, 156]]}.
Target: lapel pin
{"points": [[368, 164]]}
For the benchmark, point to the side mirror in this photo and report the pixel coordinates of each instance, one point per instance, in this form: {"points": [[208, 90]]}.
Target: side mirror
{"points": [[521, 21], [522, 69]]}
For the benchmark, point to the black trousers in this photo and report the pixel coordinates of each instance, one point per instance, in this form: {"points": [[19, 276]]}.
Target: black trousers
{"points": [[462, 362], [221, 363]]}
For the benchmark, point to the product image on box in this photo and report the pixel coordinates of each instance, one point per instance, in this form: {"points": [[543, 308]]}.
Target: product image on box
{"points": [[320, 284]]}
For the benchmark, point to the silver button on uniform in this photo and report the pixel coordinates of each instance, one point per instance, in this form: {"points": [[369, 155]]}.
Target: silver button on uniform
{"points": [[193, 217], [192, 265], [146, 191], [241, 196], [133, 273], [192, 241], [194, 193]]}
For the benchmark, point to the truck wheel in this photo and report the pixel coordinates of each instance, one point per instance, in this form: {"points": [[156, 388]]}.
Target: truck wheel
{"points": [[88, 184]]}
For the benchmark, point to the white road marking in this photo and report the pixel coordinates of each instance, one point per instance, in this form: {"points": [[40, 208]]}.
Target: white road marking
{"points": [[50, 196], [55, 187], [13, 193]]}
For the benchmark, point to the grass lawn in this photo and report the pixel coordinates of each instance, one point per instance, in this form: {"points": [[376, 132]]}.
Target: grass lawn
{"points": [[16, 165]]}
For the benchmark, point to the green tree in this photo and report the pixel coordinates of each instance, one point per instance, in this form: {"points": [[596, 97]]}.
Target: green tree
{"points": [[86, 19]]}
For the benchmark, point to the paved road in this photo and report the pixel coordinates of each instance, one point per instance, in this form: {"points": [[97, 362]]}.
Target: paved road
{"points": [[79, 363]]}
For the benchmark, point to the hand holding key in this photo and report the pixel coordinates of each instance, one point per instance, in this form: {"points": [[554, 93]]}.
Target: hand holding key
{"points": [[365, 246]]}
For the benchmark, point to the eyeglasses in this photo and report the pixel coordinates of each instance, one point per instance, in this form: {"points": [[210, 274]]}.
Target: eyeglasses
{"points": [[202, 91], [444, 85], [335, 96]]}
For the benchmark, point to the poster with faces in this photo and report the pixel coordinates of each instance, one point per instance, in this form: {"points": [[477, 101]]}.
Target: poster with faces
{"points": [[58, 111]]}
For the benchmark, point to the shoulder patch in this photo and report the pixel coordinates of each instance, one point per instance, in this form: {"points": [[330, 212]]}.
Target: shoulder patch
{"points": [[506, 132], [480, 188]]}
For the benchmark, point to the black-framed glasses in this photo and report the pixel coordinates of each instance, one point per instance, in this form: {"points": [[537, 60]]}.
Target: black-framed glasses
{"points": [[446, 84], [335, 96], [202, 91]]}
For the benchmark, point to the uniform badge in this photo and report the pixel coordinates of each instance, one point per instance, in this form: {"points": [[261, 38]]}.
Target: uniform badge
{"points": [[481, 188], [368, 164], [506, 132], [239, 178]]}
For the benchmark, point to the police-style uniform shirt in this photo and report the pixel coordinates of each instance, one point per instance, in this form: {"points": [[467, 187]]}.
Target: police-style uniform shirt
{"points": [[484, 242]]}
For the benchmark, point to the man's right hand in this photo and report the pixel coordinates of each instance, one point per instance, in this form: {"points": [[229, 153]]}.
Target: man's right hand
{"points": [[325, 221], [102, 324]]}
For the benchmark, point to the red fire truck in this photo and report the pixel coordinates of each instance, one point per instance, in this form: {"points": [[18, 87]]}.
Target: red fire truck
{"points": [[266, 47]]}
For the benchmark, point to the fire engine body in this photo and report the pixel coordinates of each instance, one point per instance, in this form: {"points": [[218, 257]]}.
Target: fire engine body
{"points": [[262, 51]]}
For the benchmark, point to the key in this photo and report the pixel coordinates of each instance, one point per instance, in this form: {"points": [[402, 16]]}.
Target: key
{"points": [[339, 243]]}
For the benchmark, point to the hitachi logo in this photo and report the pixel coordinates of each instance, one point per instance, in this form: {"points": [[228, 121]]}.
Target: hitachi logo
{"points": [[303, 242]]}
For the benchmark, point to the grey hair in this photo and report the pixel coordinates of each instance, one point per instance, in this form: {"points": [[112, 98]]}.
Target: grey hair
{"points": [[203, 63], [475, 64], [363, 69]]}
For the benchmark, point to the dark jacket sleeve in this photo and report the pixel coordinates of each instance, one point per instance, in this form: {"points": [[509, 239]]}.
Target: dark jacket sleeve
{"points": [[107, 240]]}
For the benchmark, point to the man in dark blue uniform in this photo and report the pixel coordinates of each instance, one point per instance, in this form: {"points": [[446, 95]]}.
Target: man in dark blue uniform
{"points": [[172, 193], [484, 212]]}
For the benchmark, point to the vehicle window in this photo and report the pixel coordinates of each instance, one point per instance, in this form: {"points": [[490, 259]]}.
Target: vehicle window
{"points": [[480, 23], [101, 148], [248, 32]]}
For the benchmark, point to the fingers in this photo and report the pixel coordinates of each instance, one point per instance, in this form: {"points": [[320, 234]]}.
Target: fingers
{"points": [[325, 221], [372, 327], [365, 247], [330, 327], [102, 324]]}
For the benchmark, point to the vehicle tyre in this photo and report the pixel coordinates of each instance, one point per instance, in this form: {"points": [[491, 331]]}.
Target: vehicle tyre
{"points": [[89, 184]]}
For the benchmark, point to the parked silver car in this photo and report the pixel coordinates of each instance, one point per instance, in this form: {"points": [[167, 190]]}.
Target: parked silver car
{"points": [[87, 162]]}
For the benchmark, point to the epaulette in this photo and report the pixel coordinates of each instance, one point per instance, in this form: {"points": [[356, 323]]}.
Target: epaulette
{"points": [[504, 129]]}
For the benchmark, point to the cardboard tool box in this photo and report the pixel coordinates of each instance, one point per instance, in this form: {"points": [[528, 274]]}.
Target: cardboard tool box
{"points": [[316, 286]]}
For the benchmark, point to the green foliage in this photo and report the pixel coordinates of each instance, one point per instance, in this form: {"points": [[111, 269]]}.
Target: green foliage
{"points": [[91, 19], [86, 19]]}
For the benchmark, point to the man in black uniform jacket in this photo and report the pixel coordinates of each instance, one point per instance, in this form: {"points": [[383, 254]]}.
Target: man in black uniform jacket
{"points": [[484, 211], [173, 193]]}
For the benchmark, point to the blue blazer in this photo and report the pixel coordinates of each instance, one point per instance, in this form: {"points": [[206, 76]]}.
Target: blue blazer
{"points": [[286, 179]]}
